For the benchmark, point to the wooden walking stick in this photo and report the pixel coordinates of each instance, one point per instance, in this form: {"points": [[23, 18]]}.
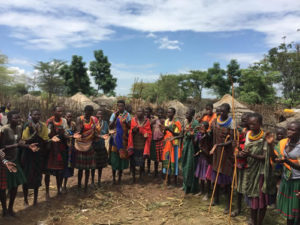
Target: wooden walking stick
{"points": [[234, 179], [218, 171]]}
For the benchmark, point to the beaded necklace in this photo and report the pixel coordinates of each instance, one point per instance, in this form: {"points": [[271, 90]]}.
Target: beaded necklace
{"points": [[225, 123], [257, 136]]}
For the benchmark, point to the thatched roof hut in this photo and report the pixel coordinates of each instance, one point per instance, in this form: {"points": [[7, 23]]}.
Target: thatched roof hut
{"points": [[180, 108], [105, 101], [239, 107], [79, 101]]}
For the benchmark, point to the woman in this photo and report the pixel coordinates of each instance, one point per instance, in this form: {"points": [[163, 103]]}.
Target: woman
{"points": [[288, 154], [241, 162], [99, 146], [69, 167], [172, 150], [139, 141], [86, 126], [120, 121], [258, 172], [190, 182], [34, 132], [10, 136], [222, 130], [157, 143], [58, 155]]}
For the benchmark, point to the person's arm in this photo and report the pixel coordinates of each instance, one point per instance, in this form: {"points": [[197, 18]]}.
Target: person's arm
{"points": [[113, 120]]}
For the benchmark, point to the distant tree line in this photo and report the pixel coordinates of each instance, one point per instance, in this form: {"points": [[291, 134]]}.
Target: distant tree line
{"points": [[257, 84]]}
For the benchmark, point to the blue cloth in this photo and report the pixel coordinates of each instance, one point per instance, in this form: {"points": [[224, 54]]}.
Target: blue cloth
{"points": [[176, 172]]}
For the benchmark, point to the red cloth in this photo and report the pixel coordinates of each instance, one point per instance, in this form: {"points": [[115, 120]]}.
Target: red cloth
{"points": [[145, 128], [242, 162]]}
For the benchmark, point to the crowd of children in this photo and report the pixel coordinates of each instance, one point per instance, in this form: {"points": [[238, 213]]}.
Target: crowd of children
{"points": [[204, 150]]}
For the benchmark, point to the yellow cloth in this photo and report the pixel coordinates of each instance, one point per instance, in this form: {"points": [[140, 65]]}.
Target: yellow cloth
{"points": [[43, 133]]}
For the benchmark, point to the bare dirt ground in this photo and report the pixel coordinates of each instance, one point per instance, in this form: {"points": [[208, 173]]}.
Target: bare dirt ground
{"points": [[147, 202]]}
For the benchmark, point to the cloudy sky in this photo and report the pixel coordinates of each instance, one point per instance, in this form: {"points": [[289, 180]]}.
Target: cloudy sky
{"points": [[143, 39]]}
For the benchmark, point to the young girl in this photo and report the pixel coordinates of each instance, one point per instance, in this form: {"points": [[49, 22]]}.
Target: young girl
{"points": [[139, 141], [204, 143], [288, 154], [85, 153], [190, 183], [69, 167], [118, 159], [257, 174], [172, 150], [99, 146], [241, 162], [10, 136], [58, 148], [34, 132]]}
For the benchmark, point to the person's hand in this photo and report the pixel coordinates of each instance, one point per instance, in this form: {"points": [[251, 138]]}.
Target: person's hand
{"points": [[245, 153], [192, 132], [135, 129], [77, 136], [145, 135], [2, 153], [11, 167], [33, 147], [280, 160], [105, 136], [298, 195], [55, 139], [213, 149], [270, 138]]}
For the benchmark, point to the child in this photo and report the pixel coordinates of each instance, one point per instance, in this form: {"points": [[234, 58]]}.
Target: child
{"points": [[204, 142]]}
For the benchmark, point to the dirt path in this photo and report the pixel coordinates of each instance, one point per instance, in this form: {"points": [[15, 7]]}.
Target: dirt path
{"points": [[148, 202]]}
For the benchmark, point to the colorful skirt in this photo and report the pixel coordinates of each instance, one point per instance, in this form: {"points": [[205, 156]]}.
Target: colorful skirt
{"points": [[137, 159], [85, 160], [117, 163], [173, 167], [287, 202], [259, 202], [101, 154], [57, 156], [15, 179], [3, 176], [201, 169], [156, 150], [222, 179]]}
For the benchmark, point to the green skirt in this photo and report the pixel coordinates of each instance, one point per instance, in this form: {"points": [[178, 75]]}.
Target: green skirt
{"points": [[287, 202], [15, 179], [117, 163], [241, 181]]}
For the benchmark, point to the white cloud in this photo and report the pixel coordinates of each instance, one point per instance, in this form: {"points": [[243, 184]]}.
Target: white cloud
{"points": [[165, 43], [59, 24], [22, 62]]}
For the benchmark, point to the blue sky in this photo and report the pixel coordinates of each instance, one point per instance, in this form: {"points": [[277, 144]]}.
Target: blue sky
{"points": [[143, 39]]}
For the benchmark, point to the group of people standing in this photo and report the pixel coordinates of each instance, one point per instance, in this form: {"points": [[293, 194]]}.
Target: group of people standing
{"points": [[207, 150]]}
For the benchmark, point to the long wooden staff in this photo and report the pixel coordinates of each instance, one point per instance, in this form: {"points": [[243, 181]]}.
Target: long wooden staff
{"points": [[217, 177], [234, 180]]}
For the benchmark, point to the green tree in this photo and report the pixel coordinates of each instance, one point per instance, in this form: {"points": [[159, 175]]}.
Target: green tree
{"points": [[48, 77], [100, 70], [217, 80], [286, 59], [193, 83], [76, 77], [255, 86]]}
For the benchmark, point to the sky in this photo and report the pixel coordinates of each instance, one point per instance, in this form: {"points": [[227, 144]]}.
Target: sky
{"points": [[144, 39]]}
